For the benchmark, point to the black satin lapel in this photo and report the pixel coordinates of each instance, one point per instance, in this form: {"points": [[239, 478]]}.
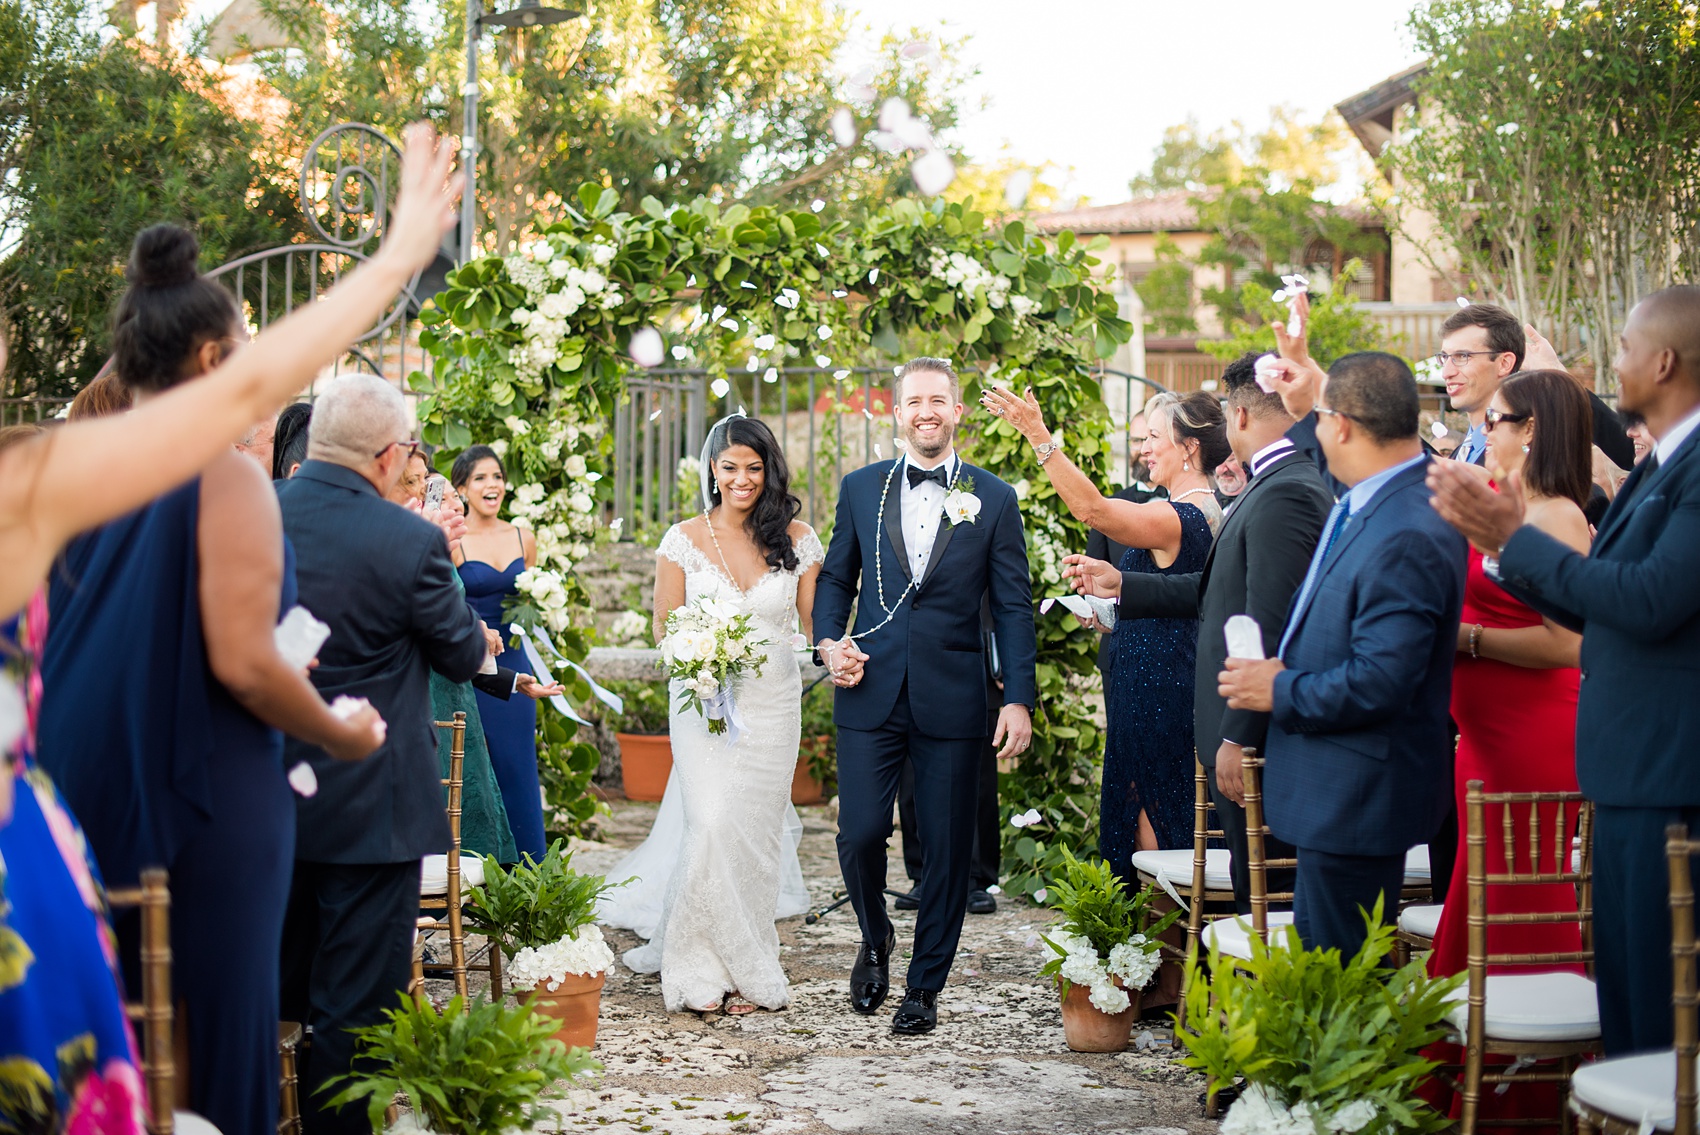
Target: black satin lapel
{"points": [[894, 523]]}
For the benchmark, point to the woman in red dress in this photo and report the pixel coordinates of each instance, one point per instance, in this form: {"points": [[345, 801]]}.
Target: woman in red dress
{"points": [[1515, 681]]}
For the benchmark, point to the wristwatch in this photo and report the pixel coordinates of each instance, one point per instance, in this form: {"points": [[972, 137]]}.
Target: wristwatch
{"points": [[1044, 451]]}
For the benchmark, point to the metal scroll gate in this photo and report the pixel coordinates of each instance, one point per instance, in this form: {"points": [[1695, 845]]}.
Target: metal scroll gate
{"points": [[348, 176]]}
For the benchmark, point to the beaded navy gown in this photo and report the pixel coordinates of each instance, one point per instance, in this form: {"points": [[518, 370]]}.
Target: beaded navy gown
{"points": [[1149, 747]]}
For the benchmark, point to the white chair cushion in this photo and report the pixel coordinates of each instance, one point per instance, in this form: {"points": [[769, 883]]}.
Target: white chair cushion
{"points": [[1176, 867], [1633, 1088], [1535, 1006], [1422, 921], [188, 1123], [1233, 935], [1416, 866], [434, 873]]}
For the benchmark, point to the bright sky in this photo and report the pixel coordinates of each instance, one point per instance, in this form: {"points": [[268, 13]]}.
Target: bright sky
{"points": [[1092, 84]]}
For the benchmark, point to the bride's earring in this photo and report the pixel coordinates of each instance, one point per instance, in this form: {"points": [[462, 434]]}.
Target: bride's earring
{"points": [[1525, 449]]}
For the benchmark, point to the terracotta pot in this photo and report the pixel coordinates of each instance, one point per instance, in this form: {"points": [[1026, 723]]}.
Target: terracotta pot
{"points": [[574, 1006], [646, 760], [1089, 1029], [805, 789]]}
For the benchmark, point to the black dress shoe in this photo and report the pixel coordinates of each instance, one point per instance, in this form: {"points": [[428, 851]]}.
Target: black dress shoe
{"points": [[907, 902], [918, 1013], [980, 902], [870, 977]]}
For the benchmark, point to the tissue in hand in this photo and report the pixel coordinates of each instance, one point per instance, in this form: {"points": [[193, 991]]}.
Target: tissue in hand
{"points": [[298, 637], [1245, 637]]}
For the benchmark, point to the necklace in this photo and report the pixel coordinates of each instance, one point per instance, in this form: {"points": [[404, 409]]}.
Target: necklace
{"points": [[1192, 493], [879, 527], [708, 523]]}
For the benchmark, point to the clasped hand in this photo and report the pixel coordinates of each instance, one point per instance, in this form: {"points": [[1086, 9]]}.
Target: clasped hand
{"points": [[843, 660]]}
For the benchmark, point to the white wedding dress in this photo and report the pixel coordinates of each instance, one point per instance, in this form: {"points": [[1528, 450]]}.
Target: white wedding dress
{"points": [[720, 864]]}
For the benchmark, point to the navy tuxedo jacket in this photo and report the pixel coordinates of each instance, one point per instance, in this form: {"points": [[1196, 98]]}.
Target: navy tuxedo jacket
{"points": [[381, 578], [934, 638], [1636, 599], [1359, 739]]}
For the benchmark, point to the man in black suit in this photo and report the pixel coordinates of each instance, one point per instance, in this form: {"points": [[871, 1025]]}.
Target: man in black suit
{"points": [[381, 578], [1636, 600], [1257, 562]]}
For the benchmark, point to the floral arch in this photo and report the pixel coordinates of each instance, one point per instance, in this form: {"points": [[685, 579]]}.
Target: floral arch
{"points": [[532, 350]]}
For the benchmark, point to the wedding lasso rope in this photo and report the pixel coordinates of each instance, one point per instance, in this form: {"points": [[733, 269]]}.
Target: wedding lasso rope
{"points": [[879, 527]]}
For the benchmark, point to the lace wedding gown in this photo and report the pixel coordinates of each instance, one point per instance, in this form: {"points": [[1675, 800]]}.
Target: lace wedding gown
{"points": [[720, 864]]}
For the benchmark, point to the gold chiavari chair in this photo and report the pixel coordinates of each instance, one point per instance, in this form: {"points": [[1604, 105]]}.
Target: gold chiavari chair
{"points": [[1656, 1090], [288, 1084], [443, 881], [1196, 877], [153, 1015], [1528, 1016], [1232, 936]]}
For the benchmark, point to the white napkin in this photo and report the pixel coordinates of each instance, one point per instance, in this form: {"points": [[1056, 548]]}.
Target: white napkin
{"points": [[1086, 606], [1245, 637], [298, 637]]}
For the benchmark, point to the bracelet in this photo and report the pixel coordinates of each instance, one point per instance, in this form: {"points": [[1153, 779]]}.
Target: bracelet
{"points": [[1044, 451], [1475, 640]]}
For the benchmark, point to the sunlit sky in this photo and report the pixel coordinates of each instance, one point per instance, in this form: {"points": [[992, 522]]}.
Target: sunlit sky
{"points": [[1091, 84]]}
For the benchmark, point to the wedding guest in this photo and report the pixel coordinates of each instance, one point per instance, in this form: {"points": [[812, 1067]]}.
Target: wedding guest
{"points": [[1515, 678], [289, 448], [1639, 437], [1255, 566], [1358, 692], [105, 395], [259, 442], [1634, 599], [411, 486], [1230, 480], [492, 555], [182, 768], [381, 578], [1148, 752], [85, 474]]}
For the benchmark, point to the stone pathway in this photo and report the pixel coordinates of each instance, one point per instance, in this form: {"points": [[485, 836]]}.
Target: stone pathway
{"points": [[996, 1064]]}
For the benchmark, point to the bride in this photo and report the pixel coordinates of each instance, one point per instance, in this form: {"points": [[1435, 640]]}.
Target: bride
{"points": [[720, 864]]}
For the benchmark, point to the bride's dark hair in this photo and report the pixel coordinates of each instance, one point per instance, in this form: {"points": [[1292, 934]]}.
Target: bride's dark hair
{"points": [[769, 522]]}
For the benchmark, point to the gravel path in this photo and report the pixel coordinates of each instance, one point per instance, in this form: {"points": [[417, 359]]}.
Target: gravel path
{"points": [[996, 1064]]}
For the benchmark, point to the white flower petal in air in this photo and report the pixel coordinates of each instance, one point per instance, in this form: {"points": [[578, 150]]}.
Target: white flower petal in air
{"points": [[771, 374], [647, 348], [717, 313], [681, 352], [1016, 188], [841, 375], [764, 342], [752, 364], [822, 361], [822, 251], [730, 324], [886, 142], [824, 332], [303, 779], [1438, 429], [917, 49], [1041, 894], [873, 275], [1464, 301], [894, 112], [655, 415], [933, 172], [844, 127], [839, 293], [816, 206], [747, 285], [720, 387]]}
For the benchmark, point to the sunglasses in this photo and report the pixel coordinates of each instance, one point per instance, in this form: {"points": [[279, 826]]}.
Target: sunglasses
{"points": [[1494, 417]]}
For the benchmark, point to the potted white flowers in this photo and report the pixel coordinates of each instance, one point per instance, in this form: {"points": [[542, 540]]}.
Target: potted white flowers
{"points": [[543, 916], [1105, 951], [1325, 1044]]}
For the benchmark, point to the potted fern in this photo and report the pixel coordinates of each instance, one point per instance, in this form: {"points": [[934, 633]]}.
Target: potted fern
{"points": [[1324, 1044], [478, 1071], [543, 916], [1105, 951]]}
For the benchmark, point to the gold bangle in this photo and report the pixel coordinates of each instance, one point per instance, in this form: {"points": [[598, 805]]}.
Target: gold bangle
{"points": [[1475, 640]]}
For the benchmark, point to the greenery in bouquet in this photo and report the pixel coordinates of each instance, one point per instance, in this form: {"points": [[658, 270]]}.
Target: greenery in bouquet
{"points": [[543, 914], [1325, 1044], [463, 1071], [709, 645], [1106, 934]]}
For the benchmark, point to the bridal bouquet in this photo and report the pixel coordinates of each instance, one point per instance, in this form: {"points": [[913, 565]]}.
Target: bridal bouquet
{"points": [[708, 646]]}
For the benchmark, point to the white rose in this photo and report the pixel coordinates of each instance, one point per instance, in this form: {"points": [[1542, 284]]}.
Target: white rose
{"points": [[576, 466], [499, 447], [580, 502], [560, 268]]}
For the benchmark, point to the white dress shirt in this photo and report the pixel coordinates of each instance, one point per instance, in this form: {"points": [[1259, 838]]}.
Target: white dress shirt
{"points": [[1667, 446], [1262, 459], [923, 510]]}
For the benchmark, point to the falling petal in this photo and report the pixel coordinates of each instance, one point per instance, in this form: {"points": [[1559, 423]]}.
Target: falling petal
{"points": [[647, 348], [877, 451], [916, 49], [841, 375], [1279, 295], [593, 477], [692, 282], [886, 142], [894, 112], [303, 779], [1438, 429], [1464, 301], [764, 342], [717, 313], [752, 364], [897, 371], [730, 324], [816, 206], [680, 352], [771, 374], [839, 293], [844, 127], [825, 332], [933, 172], [616, 524], [1017, 187], [868, 414], [742, 413], [822, 361], [720, 387], [655, 415], [822, 251], [747, 284], [1041, 894], [873, 275]]}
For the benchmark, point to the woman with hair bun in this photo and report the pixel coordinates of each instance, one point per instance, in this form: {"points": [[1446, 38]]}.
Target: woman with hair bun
{"points": [[720, 864], [1149, 746]]}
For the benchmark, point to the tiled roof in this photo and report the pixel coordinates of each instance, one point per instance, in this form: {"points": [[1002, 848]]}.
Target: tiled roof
{"points": [[1170, 211]]}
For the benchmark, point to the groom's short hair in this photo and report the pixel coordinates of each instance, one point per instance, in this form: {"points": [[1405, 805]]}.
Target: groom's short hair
{"points": [[917, 366]]}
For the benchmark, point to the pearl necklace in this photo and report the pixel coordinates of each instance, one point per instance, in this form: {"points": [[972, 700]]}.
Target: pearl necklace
{"points": [[879, 527], [708, 523], [1192, 493]]}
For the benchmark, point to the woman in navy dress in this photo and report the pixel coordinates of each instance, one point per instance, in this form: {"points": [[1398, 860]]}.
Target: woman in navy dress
{"points": [[173, 758], [492, 554], [1147, 800]]}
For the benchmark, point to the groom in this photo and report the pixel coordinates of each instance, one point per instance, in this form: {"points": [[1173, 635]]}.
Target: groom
{"points": [[917, 544]]}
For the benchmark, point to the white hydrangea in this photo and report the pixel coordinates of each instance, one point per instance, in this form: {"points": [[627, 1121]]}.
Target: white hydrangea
{"points": [[1109, 998], [585, 954], [969, 277], [1135, 961], [1083, 969], [1259, 1111]]}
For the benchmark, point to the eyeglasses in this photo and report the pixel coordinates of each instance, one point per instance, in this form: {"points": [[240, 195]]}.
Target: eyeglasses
{"points": [[411, 443], [1336, 413], [1462, 358], [1494, 417]]}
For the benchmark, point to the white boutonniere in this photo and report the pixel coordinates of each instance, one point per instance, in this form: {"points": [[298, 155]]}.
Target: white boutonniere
{"points": [[960, 503]]}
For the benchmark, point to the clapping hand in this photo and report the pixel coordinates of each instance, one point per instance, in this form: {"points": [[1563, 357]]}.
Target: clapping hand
{"points": [[1464, 500], [1093, 577]]}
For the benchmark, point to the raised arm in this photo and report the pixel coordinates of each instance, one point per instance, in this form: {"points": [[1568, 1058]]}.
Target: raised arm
{"points": [[82, 475]]}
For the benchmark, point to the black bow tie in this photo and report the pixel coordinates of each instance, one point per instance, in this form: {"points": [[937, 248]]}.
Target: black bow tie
{"points": [[935, 475]]}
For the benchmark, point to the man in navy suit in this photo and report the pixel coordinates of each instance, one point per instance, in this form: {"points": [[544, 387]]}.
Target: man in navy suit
{"points": [[917, 545], [1358, 697], [1636, 600], [380, 576]]}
